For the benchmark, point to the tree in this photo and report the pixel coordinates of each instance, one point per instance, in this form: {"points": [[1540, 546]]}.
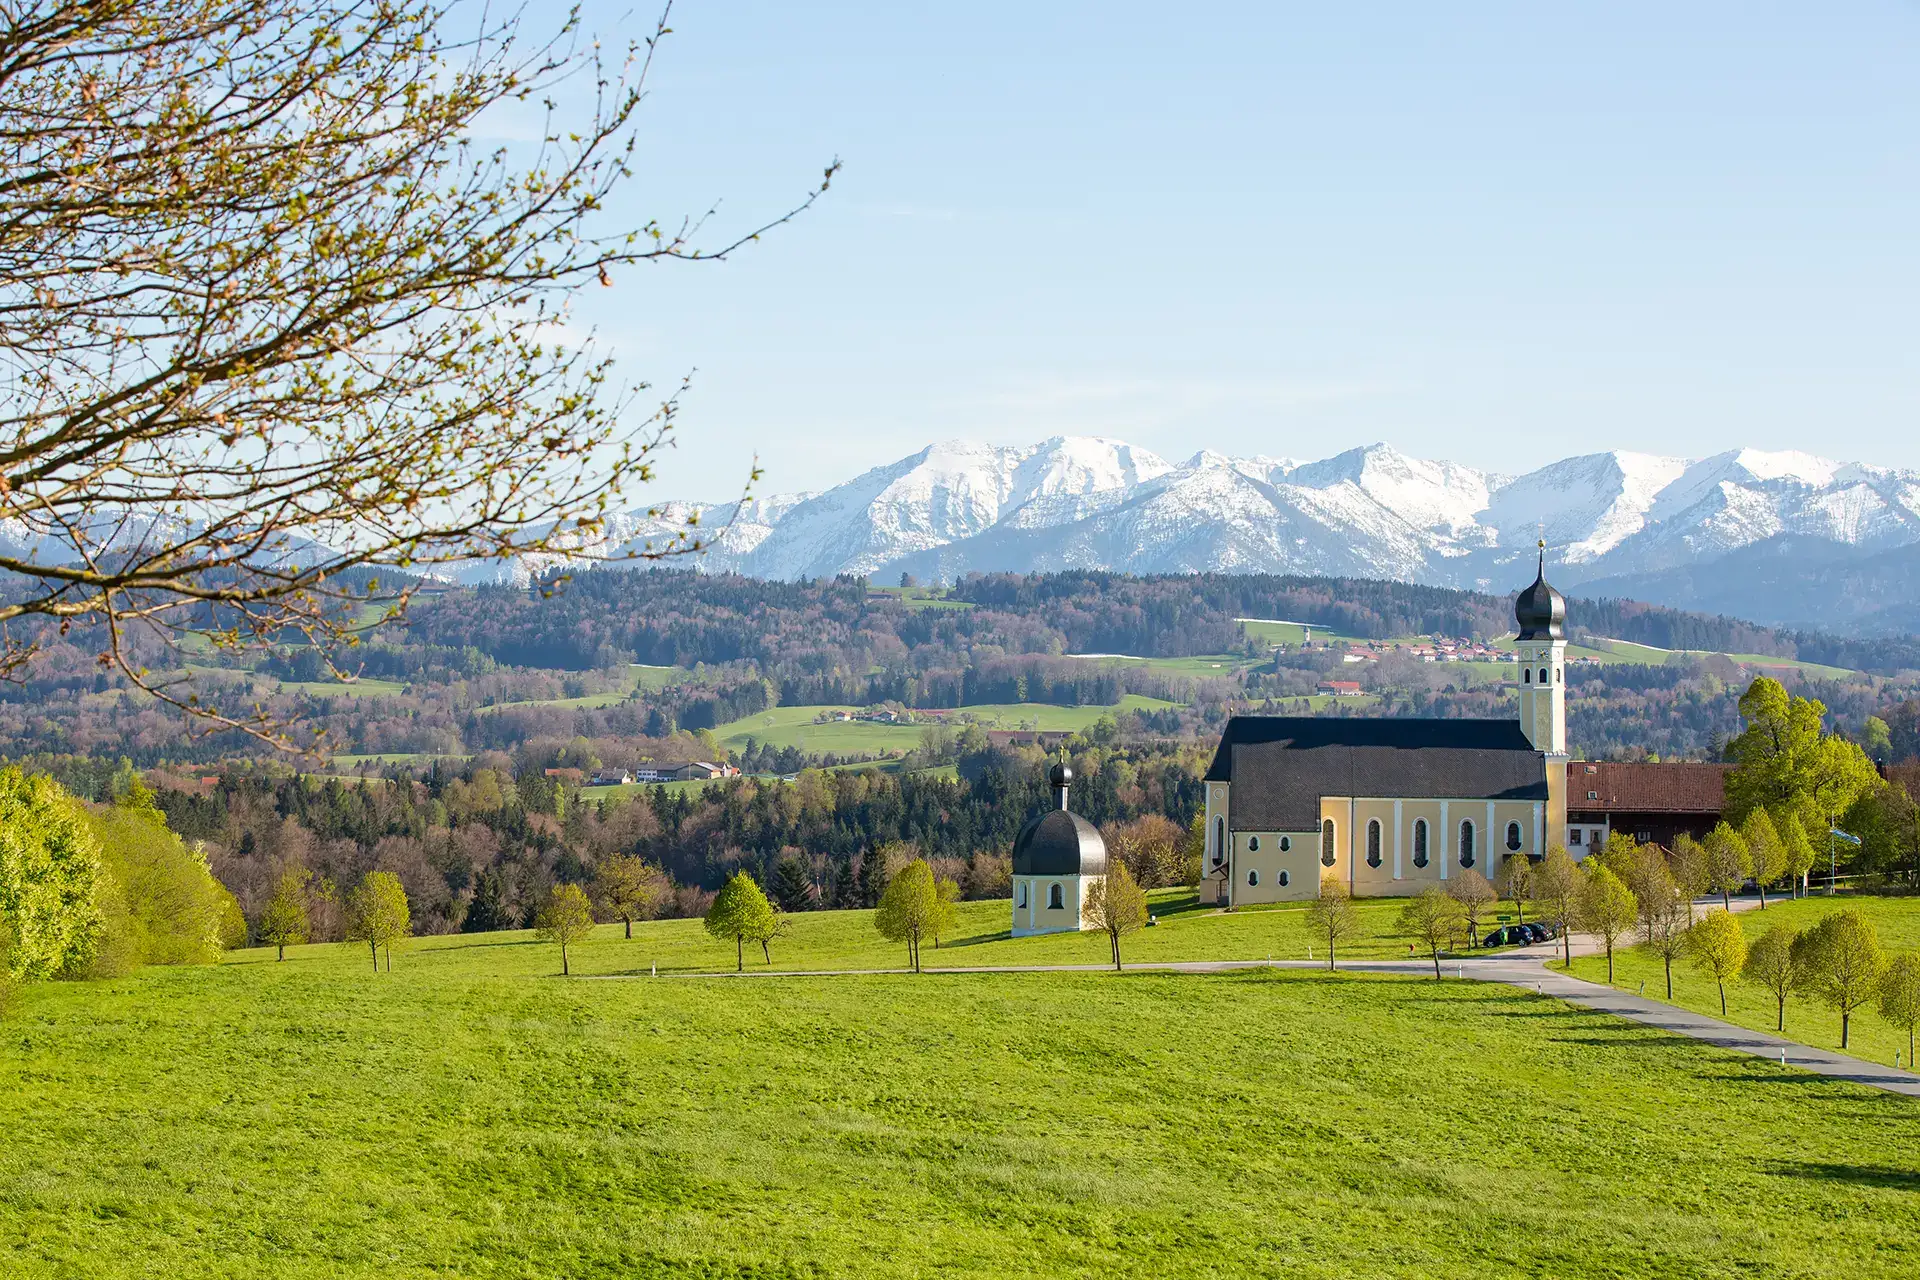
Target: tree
{"points": [[632, 888], [1665, 914], [1607, 909], [742, 914], [1900, 996], [1728, 862], [908, 908], [1688, 863], [946, 896], [1332, 915], [274, 323], [49, 876], [1774, 963], [283, 921], [1436, 918], [565, 917], [1475, 893], [1797, 852], [1115, 905], [846, 893], [1844, 963], [1766, 855], [1516, 881], [377, 915], [791, 888], [1556, 887], [1151, 846], [1718, 949]]}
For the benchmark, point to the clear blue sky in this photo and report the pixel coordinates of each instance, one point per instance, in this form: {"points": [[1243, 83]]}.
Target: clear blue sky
{"points": [[1500, 232]]}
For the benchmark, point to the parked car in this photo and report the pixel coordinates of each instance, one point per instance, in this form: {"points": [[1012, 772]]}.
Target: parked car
{"points": [[1507, 935], [1547, 932]]}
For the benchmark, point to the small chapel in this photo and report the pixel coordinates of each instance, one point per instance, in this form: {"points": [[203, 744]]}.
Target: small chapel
{"points": [[1392, 805], [1057, 857]]}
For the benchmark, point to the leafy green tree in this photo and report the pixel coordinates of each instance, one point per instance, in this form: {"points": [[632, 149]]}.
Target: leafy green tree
{"points": [[1900, 996], [1718, 949], [1766, 855], [1784, 762], [1475, 893], [1116, 905], [741, 913], [946, 898], [1774, 963], [283, 921], [1556, 889], [791, 888], [1844, 963], [377, 914], [1728, 862], [1332, 915], [565, 917], [49, 876], [908, 908], [1434, 917], [176, 912], [632, 888], [1607, 909], [1516, 881], [1797, 851], [1688, 863], [1665, 914]]}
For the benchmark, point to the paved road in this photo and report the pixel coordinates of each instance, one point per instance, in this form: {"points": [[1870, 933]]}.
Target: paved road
{"points": [[1524, 967]]}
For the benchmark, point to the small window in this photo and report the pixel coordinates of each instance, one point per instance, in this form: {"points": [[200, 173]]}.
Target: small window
{"points": [[1286, 843], [1326, 842], [1543, 675], [1020, 895], [1253, 878], [1253, 844], [1219, 841], [1373, 843], [1573, 835], [1513, 836], [1283, 879], [1053, 899], [1526, 676], [1593, 795], [1466, 844]]}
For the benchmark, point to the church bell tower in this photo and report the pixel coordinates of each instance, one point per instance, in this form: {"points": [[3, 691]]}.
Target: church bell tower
{"points": [[1542, 650]]}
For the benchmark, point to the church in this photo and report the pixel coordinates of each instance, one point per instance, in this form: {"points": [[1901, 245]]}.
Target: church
{"points": [[1393, 805]]}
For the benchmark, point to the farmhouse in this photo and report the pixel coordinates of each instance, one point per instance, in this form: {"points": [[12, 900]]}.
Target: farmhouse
{"points": [[1394, 805]]}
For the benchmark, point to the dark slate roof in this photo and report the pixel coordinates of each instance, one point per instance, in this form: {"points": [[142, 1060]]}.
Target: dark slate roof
{"points": [[1058, 843], [1282, 765], [1540, 610], [1647, 787]]}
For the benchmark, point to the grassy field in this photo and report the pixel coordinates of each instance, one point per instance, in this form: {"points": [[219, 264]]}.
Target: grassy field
{"points": [[921, 597], [652, 679], [362, 688], [611, 698], [1897, 920], [468, 1115], [796, 727], [640, 788]]}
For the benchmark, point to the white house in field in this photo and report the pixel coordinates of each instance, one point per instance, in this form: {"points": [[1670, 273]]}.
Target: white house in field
{"points": [[1056, 858]]}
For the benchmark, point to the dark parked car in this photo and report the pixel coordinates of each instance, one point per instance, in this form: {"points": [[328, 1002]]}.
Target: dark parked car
{"points": [[1547, 932], [1509, 935]]}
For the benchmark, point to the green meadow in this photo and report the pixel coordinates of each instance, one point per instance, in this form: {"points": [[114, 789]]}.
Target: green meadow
{"points": [[471, 1114], [796, 726]]}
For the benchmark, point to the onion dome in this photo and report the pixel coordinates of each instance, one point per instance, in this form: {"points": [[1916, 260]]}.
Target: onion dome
{"points": [[1540, 610], [1059, 843]]}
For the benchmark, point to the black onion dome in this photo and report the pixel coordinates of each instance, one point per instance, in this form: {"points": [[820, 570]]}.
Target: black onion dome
{"points": [[1061, 775], [1540, 610], [1058, 843]]}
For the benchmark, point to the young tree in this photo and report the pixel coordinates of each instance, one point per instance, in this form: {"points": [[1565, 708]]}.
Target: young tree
{"points": [[283, 921], [1844, 963], [1688, 863], [946, 896], [1606, 909], [1766, 855], [1773, 963], [1900, 996], [1516, 881], [632, 888], [791, 888], [1332, 915], [1475, 893], [1556, 888], [1116, 905], [1665, 914], [908, 908], [1436, 918], [742, 914], [377, 915], [1797, 852], [565, 917], [1728, 862], [1718, 949]]}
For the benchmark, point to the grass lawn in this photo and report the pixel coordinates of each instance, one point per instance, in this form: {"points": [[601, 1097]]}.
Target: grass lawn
{"points": [[1200, 666], [1897, 920], [467, 1115], [362, 688], [652, 679], [640, 788], [612, 697], [796, 727], [920, 597], [353, 760]]}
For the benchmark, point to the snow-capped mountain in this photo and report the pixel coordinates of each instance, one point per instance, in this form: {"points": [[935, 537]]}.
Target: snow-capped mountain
{"points": [[1079, 502]]}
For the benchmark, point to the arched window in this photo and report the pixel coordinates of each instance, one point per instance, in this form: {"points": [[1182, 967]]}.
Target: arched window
{"points": [[1283, 879], [1053, 899], [1526, 677], [1219, 840], [1373, 843], [1253, 844], [1020, 894], [1466, 844], [1253, 878], [1513, 837], [1286, 843], [1326, 842], [1543, 676], [1420, 842]]}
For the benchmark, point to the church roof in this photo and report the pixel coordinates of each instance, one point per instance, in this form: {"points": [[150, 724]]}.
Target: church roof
{"points": [[1285, 764], [1541, 610], [1059, 843]]}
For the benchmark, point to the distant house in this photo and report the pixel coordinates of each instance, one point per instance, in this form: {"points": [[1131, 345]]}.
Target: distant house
{"points": [[1027, 737], [1649, 801], [575, 776], [612, 778], [1341, 688]]}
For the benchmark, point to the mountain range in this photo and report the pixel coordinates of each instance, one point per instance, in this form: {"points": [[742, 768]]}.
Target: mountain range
{"points": [[1750, 533]]}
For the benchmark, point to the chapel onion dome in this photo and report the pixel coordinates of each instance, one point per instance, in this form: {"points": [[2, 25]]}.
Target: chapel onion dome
{"points": [[1059, 843], [1540, 610]]}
